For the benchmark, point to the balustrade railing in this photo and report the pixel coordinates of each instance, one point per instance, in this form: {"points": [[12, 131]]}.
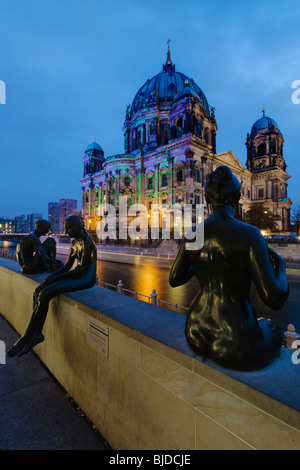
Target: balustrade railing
{"points": [[7, 254], [152, 298]]}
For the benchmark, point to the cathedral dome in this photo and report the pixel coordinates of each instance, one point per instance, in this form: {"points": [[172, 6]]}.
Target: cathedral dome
{"points": [[166, 87], [94, 148], [263, 125]]}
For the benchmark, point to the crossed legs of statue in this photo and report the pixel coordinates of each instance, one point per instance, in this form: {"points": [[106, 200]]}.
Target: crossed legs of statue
{"points": [[41, 299], [33, 334]]}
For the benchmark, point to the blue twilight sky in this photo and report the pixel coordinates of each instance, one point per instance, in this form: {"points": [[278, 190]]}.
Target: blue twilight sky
{"points": [[70, 68]]}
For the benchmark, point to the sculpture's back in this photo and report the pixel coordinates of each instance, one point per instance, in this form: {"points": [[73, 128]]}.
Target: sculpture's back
{"points": [[221, 324]]}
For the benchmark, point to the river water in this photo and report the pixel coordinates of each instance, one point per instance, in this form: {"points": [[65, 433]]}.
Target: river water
{"points": [[143, 279]]}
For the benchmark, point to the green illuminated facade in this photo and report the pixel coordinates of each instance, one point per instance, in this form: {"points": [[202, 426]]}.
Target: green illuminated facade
{"points": [[169, 148]]}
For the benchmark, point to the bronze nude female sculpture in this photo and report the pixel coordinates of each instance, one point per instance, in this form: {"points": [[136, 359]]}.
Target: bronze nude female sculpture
{"points": [[221, 324], [64, 280]]}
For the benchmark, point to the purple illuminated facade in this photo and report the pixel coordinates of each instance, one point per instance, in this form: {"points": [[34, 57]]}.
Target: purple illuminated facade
{"points": [[170, 147]]}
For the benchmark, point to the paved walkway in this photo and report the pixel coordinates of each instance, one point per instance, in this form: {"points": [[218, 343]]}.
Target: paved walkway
{"points": [[35, 412]]}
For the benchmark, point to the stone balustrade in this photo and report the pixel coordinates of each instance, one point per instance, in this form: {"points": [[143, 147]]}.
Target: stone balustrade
{"points": [[128, 366]]}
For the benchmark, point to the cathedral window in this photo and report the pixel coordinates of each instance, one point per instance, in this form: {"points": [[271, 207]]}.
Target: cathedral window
{"points": [[179, 176], [162, 133], [170, 91], [164, 179], [150, 182], [197, 127], [197, 176], [179, 127], [86, 169], [260, 150], [272, 146], [260, 193]]}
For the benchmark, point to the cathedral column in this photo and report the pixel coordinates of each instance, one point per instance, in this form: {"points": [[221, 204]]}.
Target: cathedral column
{"points": [[140, 196], [141, 172], [203, 175], [118, 172], [142, 176], [266, 189], [156, 182], [170, 180], [188, 175], [135, 186]]}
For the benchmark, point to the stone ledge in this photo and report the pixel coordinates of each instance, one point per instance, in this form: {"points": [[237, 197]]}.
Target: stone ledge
{"points": [[141, 330]]}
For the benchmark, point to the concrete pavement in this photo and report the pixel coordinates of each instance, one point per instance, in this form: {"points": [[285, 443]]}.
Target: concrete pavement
{"points": [[35, 412]]}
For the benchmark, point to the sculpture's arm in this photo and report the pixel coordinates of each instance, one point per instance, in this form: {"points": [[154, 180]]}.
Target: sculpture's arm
{"points": [[65, 273], [38, 247], [268, 271], [182, 270], [86, 258], [64, 269]]}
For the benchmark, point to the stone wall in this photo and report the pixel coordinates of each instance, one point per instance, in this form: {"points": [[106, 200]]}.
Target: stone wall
{"points": [[288, 251], [127, 365]]}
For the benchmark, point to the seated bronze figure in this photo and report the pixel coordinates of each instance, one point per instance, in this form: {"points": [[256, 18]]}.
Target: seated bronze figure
{"points": [[65, 279], [34, 256], [221, 324]]}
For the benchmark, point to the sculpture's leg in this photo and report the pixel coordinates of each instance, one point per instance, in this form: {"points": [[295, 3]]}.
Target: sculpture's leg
{"points": [[35, 265], [33, 335], [49, 246], [41, 298], [197, 338]]}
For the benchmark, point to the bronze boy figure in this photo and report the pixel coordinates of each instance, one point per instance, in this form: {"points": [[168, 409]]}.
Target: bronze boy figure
{"points": [[83, 276]]}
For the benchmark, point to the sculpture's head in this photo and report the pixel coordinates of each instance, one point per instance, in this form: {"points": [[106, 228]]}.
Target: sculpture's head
{"points": [[42, 226], [222, 187], [74, 226]]}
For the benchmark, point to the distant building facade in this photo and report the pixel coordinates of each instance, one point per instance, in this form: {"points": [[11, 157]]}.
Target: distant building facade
{"points": [[31, 221], [170, 148], [67, 208], [53, 216], [59, 211], [7, 225], [20, 224]]}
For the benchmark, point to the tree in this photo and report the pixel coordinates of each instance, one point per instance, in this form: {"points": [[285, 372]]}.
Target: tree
{"points": [[295, 217], [259, 216]]}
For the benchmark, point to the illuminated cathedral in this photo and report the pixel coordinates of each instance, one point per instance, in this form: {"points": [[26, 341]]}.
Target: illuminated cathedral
{"points": [[170, 148]]}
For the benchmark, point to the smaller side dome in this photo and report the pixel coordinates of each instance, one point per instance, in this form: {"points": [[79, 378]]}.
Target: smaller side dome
{"points": [[94, 148], [263, 125]]}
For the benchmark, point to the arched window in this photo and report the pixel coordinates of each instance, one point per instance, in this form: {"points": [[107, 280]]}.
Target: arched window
{"points": [[197, 175], [179, 127], [260, 150], [206, 135], [197, 127], [179, 175], [272, 146], [164, 179]]}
